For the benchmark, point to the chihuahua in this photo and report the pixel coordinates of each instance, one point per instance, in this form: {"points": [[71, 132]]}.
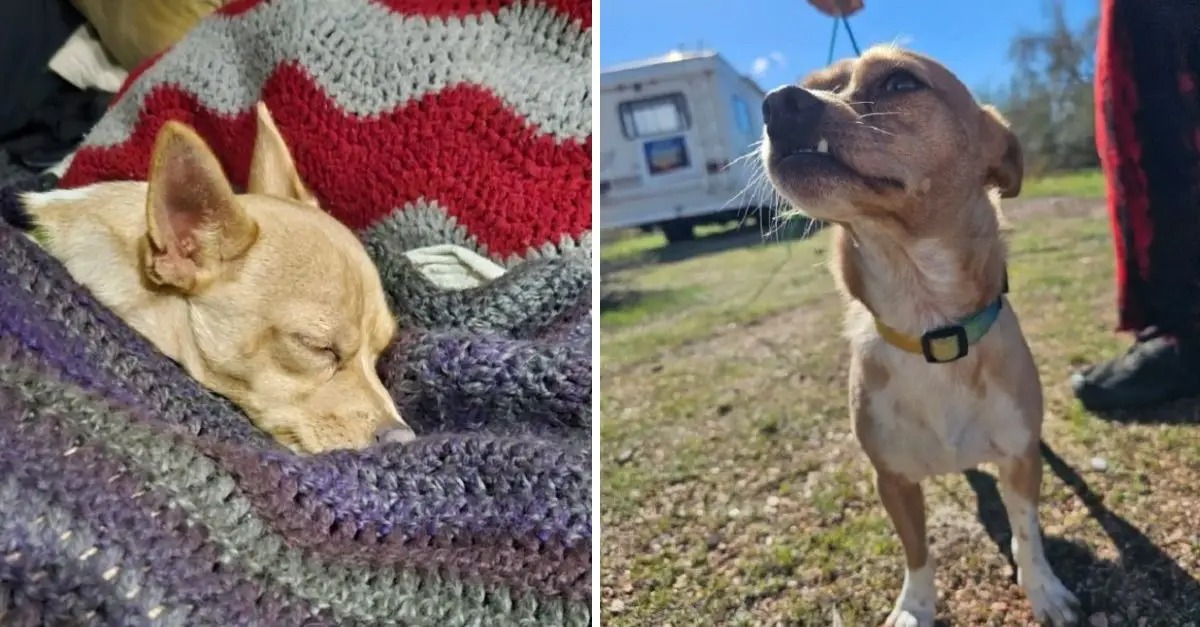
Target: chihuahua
{"points": [[262, 297], [894, 151]]}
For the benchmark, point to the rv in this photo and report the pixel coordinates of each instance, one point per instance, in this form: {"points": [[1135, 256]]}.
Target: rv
{"points": [[672, 131]]}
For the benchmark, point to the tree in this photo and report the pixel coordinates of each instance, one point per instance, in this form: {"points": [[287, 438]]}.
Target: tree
{"points": [[1049, 98]]}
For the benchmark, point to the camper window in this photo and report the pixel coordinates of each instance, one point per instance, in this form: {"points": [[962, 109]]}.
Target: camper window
{"points": [[654, 116], [741, 115]]}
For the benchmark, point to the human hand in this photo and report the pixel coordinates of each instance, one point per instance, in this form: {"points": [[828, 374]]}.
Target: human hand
{"points": [[835, 8]]}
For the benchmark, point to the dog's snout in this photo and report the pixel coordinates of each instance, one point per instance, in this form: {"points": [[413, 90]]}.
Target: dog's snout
{"points": [[395, 432], [791, 115]]}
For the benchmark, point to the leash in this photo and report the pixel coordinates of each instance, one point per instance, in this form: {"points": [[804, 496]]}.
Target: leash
{"points": [[844, 22]]}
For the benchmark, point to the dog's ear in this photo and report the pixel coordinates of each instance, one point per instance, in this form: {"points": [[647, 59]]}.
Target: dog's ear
{"points": [[1002, 152], [272, 169], [194, 221]]}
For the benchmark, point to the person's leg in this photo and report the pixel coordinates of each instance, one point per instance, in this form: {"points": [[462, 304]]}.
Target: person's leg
{"points": [[1147, 128]]}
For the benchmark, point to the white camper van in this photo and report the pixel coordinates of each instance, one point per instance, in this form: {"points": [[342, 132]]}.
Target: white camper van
{"points": [[671, 129]]}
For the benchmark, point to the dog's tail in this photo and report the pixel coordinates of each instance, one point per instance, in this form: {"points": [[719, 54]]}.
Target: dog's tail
{"points": [[13, 211]]}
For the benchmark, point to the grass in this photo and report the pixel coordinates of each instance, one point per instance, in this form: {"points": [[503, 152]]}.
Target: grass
{"points": [[733, 493], [1081, 184], [631, 245]]}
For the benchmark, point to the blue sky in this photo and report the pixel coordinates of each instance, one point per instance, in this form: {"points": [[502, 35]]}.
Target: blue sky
{"points": [[776, 41]]}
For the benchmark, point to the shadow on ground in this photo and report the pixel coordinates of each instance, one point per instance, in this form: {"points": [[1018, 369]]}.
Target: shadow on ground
{"points": [[711, 244], [1181, 412], [1143, 574], [616, 297]]}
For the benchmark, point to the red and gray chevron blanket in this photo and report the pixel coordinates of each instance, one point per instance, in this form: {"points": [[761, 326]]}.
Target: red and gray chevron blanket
{"points": [[130, 495], [449, 115]]}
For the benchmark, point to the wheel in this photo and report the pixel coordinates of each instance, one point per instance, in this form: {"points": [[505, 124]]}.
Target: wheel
{"points": [[678, 231]]}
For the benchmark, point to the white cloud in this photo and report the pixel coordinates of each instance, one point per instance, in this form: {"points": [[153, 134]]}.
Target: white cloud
{"points": [[772, 60]]}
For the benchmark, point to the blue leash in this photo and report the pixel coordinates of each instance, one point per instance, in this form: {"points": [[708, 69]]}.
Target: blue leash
{"points": [[849, 33]]}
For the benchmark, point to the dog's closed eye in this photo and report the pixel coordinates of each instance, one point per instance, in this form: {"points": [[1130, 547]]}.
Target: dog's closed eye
{"points": [[316, 347]]}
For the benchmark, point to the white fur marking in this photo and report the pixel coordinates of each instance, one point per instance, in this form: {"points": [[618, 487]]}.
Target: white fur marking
{"points": [[1051, 601], [931, 424], [37, 200], [915, 605], [933, 267], [937, 266]]}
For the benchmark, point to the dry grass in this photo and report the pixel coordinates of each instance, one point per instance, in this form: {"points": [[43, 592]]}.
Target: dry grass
{"points": [[732, 492]]}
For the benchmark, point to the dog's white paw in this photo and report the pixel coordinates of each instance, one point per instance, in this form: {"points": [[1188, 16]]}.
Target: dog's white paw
{"points": [[901, 617], [915, 607], [1052, 603]]}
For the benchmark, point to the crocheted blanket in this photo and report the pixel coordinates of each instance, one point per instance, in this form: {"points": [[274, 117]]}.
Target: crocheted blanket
{"points": [[131, 495]]}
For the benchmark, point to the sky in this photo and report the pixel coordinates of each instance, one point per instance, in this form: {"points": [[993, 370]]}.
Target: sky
{"points": [[777, 41]]}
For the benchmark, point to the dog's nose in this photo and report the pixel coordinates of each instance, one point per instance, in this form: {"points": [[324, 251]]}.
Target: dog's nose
{"points": [[398, 433], [791, 115], [789, 101]]}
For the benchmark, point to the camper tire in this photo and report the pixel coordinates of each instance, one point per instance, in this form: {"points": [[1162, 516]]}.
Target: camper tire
{"points": [[679, 231]]}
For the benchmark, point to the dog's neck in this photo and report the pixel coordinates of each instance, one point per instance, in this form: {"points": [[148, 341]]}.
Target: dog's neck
{"points": [[914, 277], [97, 234]]}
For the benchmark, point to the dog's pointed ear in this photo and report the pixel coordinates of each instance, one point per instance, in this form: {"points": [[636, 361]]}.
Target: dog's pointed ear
{"points": [[194, 221], [272, 169], [1002, 152]]}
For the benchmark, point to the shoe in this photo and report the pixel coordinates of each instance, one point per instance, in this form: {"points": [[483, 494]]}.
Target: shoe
{"points": [[1157, 369]]}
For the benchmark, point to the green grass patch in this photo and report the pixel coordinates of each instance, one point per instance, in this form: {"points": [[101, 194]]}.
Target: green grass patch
{"points": [[773, 278], [629, 244], [1079, 184]]}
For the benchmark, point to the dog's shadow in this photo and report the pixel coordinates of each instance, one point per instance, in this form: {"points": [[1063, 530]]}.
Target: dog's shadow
{"points": [[1144, 579]]}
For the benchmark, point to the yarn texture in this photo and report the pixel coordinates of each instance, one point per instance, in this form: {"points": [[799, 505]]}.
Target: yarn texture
{"points": [[131, 495]]}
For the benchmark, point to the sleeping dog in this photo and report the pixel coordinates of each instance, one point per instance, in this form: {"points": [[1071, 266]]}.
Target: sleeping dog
{"points": [[262, 297]]}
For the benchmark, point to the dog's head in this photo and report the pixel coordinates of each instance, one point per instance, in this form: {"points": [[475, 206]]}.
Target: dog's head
{"points": [[881, 135], [285, 309]]}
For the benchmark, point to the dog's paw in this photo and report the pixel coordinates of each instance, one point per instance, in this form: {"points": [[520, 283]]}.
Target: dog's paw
{"points": [[1052, 603], [901, 617], [915, 606]]}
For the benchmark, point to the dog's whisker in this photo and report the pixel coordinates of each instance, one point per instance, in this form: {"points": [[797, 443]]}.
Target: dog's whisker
{"points": [[753, 188], [872, 127]]}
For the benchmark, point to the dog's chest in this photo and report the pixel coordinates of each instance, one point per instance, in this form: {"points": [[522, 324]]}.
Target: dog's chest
{"points": [[925, 421]]}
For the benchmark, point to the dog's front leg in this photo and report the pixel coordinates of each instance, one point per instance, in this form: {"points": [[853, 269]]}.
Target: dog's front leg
{"points": [[905, 505], [1020, 488]]}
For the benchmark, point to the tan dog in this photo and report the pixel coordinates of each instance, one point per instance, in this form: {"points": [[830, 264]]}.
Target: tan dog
{"points": [[261, 297], [893, 150]]}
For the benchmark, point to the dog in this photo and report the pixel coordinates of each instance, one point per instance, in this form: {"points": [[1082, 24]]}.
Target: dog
{"points": [[261, 297], [895, 153]]}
